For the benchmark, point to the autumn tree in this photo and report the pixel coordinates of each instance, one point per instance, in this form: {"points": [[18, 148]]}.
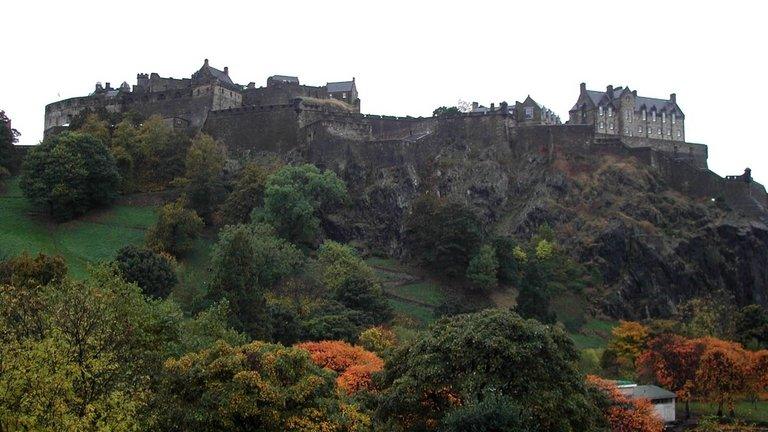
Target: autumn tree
{"points": [[247, 194], [625, 414], [354, 364], [258, 386], [379, 340], [723, 373], [627, 343]]}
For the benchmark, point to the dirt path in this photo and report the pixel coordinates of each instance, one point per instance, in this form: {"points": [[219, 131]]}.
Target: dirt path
{"points": [[394, 279]]}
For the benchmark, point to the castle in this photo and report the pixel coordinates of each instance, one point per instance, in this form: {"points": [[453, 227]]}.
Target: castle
{"points": [[323, 124]]}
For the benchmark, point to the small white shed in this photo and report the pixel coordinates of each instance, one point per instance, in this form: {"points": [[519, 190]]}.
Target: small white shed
{"points": [[663, 400]]}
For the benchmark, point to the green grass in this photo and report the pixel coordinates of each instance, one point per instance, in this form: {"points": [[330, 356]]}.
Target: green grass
{"points": [[425, 292], [745, 410], [422, 315], [90, 239], [593, 334], [387, 263]]}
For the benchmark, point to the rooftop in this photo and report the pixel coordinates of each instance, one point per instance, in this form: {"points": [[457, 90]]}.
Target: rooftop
{"points": [[650, 392], [342, 86]]}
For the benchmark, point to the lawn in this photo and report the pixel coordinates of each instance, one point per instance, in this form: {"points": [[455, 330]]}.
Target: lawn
{"points": [[421, 315], [423, 292], [745, 410], [593, 334], [92, 238]]}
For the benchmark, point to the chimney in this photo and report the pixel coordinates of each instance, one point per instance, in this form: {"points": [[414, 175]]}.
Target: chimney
{"points": [[474, 106], [609, 90], [226, 71], [493, 106], [251, 84], [634, 93], [673, 97], [107, 86], [205, 63], [582, 88]]}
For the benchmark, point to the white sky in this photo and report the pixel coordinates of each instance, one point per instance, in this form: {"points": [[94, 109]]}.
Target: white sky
{"points": [[411, 56]]}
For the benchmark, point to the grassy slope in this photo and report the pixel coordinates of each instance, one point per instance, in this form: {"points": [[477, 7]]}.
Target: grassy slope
{"points": [[87, 240]]}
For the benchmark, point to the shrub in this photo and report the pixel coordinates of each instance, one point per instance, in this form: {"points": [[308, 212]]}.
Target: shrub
{"points": [[483, 268], [354, 364], [151, 271]]}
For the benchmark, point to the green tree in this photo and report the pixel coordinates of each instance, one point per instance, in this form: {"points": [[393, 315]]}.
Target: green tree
{"points": [[483, 268], [175, 230], [248, 194], [204, 167], [254, 387], [69, 174], [151, 271], [509, 267], [160, 155], [446, 111], [464, 360], [442, 235], [96, 127], [296, 198], [8, 137], [751, 326], [245, 262]]}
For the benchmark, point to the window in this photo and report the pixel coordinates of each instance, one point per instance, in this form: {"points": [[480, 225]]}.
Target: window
{"points": [[679, 134], [529, 113], [610, 111], [645, 115], [600, 110], [611, 125], [674, 117], [639, 129], [602, 125], [626, 131], [343, 95], [653, 114], [663, 117], [659, 131]]}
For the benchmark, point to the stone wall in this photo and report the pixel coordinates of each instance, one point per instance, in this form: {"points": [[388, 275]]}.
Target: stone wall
{"points": [[249, 130]]}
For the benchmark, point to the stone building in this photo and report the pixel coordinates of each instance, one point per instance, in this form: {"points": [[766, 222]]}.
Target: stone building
{"points": [[526, 113], [186, 102], [620, 111]]}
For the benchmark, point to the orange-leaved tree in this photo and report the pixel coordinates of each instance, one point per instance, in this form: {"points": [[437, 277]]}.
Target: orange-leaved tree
{"points": [[671, 361], [627, 343], [724, 372], [354, 364], [625, 414]]}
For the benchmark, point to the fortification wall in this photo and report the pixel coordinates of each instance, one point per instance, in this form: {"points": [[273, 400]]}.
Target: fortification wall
{"points": [[694, 153], [248, 130], [280, 94], [62, 112], [192, 109]]}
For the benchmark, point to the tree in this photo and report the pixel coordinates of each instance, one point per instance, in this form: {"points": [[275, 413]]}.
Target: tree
{"points": [[96, 127], [671, 360], [248, 194], [445, 111], [625, 414], [509, 267], [258, 386], [175, 230], [354, 364], [92, 361], [69, 174], [8, 137], [723, 373], [442, 235], [483, 268], [245, 262], [297, 197], [160, 155], [462, 360], [151, 271], [627, 343], [751, 326], [25, 270], [378, 339], [204, 166]]}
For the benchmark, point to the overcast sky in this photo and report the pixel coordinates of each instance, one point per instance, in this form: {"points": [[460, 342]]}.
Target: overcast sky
{"points": [[409, 57]]}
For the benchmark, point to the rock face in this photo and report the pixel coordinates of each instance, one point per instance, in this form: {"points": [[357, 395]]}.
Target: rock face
{"points": [[660, 231]]}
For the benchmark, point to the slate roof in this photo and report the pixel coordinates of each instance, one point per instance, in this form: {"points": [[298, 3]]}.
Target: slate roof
{"points": [[285, 78], [650, 392], [597, 96], [219, 75], [342, 86]]}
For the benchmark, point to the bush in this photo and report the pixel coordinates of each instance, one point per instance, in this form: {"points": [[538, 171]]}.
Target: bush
{"points": [[25, 270], [175, 230], [483, 268], [151, 271], [69, 174]]}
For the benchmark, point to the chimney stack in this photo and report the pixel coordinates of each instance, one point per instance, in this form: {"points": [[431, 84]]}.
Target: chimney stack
{"points": [[205, 63], [634, 93], [474, 106], [609, 90], [226, 71], [107, 86], [582, 88], [673, 97]]}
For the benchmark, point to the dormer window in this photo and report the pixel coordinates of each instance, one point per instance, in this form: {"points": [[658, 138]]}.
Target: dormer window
{"points": [[645, 115], [673, 118], [663, 117], [653, 116], [529, 113], [610, 111]]}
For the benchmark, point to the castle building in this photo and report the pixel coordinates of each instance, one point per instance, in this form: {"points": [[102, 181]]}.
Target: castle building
{"points": [[620, 111], [186, 102], [526, 113]]}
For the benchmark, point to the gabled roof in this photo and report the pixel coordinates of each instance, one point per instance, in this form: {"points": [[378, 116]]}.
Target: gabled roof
{"points": [[342, 86], [601, 97], [650, 392], [649, 103], [215, 73], [285, 78]]}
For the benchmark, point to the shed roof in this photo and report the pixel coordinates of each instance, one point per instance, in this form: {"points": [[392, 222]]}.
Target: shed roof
{"points": [[650, 392]]}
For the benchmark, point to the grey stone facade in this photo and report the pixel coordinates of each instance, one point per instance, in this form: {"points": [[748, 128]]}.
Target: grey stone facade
{"points": [[620, 111]]}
